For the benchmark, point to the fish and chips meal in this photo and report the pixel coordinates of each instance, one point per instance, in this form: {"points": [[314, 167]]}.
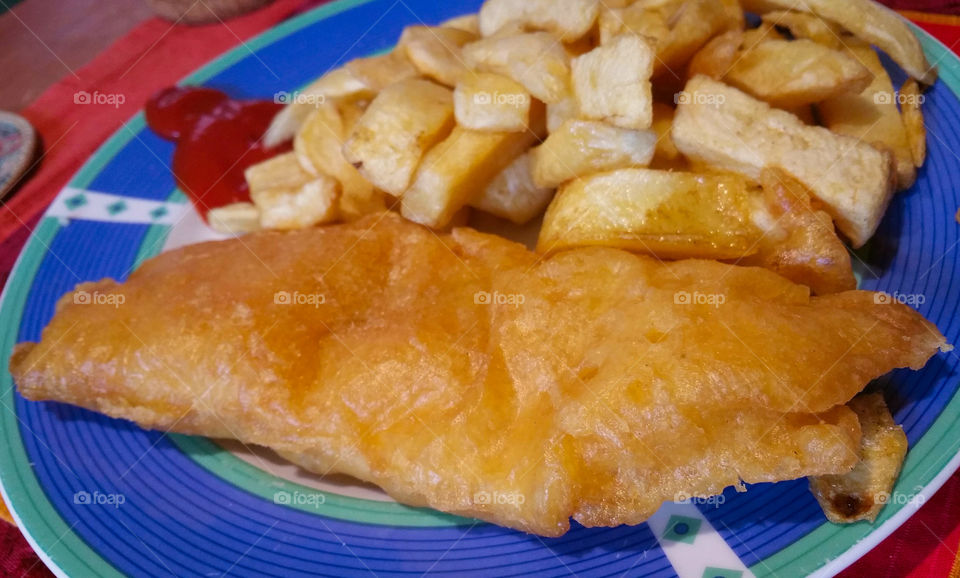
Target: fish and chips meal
{"points": [[697, 172]]}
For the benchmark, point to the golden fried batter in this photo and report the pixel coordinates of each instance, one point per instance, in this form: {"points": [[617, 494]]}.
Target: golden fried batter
{"points": [[461, 372]]}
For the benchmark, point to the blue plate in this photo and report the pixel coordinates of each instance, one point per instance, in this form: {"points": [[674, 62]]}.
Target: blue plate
{"points": [[101, 497]]}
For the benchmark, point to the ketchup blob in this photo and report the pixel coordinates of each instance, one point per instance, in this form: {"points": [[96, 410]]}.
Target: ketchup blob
{"points": [[217, 138]]}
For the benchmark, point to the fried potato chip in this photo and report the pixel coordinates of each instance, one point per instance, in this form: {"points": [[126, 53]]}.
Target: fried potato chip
{"points": [[490, 102], [455, 171], [396, 130], [235, 218], [569, 20], [436, 52], [872, 115], [863, 492], [763, 33], [809, 26], [666, 156], [339, 83], [733, 12], [379, 72], [911, 100], [350, 112], [288, 197], [870, 21], [638, 18], [561, 111], [468, 23], [675, 29], [800, 242], [319, 144], [513, 195], [727, 129], [536, 60], [695, 24], [672, 215], [612, 82], [795, 73], [582, 147], [718, 56]]}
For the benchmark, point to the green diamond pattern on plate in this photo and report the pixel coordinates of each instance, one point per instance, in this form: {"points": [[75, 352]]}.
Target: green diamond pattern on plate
{"points": [[158, 212], [76, 201], [117, 207], [682, 529], [712, 572]]}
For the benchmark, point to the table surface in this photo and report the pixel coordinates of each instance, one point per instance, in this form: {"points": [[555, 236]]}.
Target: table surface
{"points": [[41, 41]]}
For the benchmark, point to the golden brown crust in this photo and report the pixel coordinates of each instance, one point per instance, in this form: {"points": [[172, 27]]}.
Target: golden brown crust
{"points": [[459, 371]]}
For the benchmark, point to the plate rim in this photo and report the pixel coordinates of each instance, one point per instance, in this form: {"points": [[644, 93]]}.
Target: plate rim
{"points": [[36, 248]]}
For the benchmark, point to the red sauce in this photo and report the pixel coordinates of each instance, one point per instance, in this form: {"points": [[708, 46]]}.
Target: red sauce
{"points": [[217, 139]]}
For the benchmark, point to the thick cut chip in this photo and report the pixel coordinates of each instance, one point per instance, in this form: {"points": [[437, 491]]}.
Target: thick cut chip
{"points": [[863, 492], [799, 241], [871, 21], [582, 147], [561, 111], [763, 33], [612, 82], [337, 84], [446, 367], [809, 26], [718, 56], [235, 218], [379, 72], [696, 22], [872, 116], [675, 29], [724, 128], [911, 99], [455, 171], [436, 52], [513, 195], [666, 156], [490, 102], [396, 130], [567, 19], [288, 197], [634, 19], [792, 73], [320, 144], [672, 215], [468, 23], [536, 60]]}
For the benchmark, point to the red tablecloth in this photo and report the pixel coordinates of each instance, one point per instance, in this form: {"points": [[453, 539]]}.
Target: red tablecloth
{"points": [[156, 54]]}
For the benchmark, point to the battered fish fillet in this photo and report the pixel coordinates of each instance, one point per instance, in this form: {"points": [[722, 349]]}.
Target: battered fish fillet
{"points": [[463, 373]]}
